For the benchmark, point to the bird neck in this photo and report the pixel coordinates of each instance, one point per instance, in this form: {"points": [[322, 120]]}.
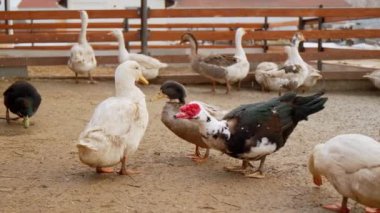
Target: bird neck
{"points": [[193, 47], [125, 87], [239, 50], [209, 127], [83, 31], [295, 52], [122, 50]]}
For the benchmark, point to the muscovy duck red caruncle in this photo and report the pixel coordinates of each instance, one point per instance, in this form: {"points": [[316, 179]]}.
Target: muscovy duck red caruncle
{"points": [[253, 131]]}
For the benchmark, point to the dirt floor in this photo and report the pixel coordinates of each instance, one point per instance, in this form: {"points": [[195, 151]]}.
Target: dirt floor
{"points": [[41, 172]]}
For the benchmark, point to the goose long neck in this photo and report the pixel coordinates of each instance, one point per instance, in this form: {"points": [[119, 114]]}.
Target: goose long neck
{"points": [[121, 41], [194, 47], [239, 51], [83, 31], [295, 54]]}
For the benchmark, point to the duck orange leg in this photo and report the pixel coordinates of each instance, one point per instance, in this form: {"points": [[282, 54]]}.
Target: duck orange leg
{"points": [[104, 170], [228, 87], [241, 169], [213, 87], [76, 78], [196, 157], [372, 210], [239, 85], [124, 170], [341, 208], [91, 80]]}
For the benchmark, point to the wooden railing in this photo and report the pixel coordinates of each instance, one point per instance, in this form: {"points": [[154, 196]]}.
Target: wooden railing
{"points": [[56, 29]]}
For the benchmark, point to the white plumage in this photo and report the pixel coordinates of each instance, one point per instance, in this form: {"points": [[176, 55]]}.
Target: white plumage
{"points": [[294, 73], [374, 77], [82, 57], [150, 65], [351, 163], [220, 68], [118, 123]]}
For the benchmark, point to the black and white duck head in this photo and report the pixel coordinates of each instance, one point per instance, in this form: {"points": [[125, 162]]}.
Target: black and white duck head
{"points": [[172, 90]]}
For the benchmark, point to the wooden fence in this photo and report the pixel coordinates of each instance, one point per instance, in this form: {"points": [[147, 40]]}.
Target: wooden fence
{"points": [[52, 27]]}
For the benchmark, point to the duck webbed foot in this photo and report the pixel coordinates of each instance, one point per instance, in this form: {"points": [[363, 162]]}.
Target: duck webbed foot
{"points": [[213, 89], [196, 157], [91, 80], [104, 170], [372, 210], [259, 172], [241, 169], [124, 170], [342, 208]]}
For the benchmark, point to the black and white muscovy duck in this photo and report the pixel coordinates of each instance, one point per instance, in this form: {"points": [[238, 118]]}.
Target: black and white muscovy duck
{"points": [[253, 131], [22, 99], [184, 129]]}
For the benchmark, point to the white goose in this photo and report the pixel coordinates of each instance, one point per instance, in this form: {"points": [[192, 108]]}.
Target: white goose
{"points": [[374, 77], [220, 68], [293, 74], [149, 64], [82, 56], [118, 123], [351, 163]]}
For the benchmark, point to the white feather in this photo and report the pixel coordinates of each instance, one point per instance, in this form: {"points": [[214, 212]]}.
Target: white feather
{"points": [[351, 163], [149, 64], [118, 123]]}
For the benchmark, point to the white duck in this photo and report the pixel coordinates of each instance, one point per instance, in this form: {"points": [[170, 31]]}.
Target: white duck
{"points": [[374, 77], [220, 68], [150, 65], [294, 59], [351, 163], [293, 74], [82, 57], [118, 123]]}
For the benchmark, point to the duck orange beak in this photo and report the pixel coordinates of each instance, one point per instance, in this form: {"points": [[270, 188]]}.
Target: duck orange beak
{"points": [[143, 80], [159, 96]]}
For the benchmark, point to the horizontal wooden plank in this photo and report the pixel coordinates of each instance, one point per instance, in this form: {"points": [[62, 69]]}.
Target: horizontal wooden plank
{"points": [[67, 14], [60, 25], [114, 47], [59, 37], [219, 12], [121, 25], [310, 54], [268, 35], [270, 12], [102, 36]]}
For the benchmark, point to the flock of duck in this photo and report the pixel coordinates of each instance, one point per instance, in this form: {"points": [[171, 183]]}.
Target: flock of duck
{"points": [[249, 132]]}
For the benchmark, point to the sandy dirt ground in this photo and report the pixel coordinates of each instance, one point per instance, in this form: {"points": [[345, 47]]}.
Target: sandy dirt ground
{"points": [[41, 172]]}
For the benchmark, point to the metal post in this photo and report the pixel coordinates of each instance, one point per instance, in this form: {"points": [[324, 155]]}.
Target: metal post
{"points": [[144, 26], [321, 20], [6, 8], [301, 26], [126, 29], [265, 27]]}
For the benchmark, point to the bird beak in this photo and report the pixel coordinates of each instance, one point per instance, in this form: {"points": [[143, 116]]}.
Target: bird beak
{"points": [[317, 179], [143, 80], [26, 122], [158, 96], [182, 115]]}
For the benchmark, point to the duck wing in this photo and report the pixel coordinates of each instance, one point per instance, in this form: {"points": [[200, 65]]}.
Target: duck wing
{"points": [[111, 122], [269, 122], [147, 61]]}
